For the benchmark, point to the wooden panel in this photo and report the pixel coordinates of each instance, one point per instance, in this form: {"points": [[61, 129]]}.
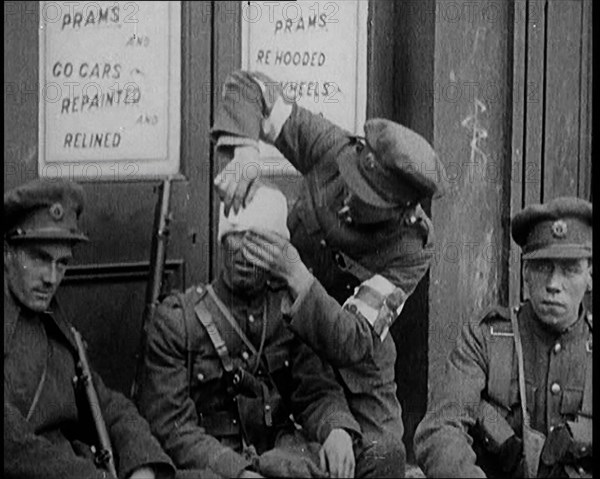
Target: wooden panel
{"points": [[561, 135], [472, 138], [191, 205], [584, 188], [535, 96], [21, 22]]}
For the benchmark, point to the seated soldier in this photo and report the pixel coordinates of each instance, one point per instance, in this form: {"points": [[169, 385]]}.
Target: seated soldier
{"points": [[223, 375], [48, 429], [516, 399]]}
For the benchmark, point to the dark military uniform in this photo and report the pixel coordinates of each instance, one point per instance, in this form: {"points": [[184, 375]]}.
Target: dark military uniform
{"points": [[53, 440], [340, 254], [483, 365], [187, 396], [48, 428], [476, 424]]}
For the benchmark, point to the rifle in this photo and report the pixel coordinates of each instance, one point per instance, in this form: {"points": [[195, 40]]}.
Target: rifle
{"points": [[160, 236], [103, 455]]}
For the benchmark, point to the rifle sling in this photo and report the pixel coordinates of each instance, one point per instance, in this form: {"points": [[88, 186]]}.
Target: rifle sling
{"points": [[521, 367], [586, 406], [40, 387]]}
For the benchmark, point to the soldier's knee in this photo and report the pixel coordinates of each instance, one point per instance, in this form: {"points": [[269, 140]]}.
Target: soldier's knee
{"points": [[381, 456]]}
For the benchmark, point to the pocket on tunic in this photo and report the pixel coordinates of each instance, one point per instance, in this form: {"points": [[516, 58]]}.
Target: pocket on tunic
{"points": [[570, 403]]}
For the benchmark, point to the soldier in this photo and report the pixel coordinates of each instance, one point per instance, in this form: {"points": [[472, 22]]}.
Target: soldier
{"points": [[48, 430], [222, 374], [538, 355], [358, 226]]}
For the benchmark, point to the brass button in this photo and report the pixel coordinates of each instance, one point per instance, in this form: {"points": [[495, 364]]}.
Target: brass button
{"points": [[234, 421], [286, 363], [245, 355], [251, 318], [200, 377], [557, 348], [583, 449], [348, 287], [412, 219], [555, 388], [323, 243], [267, 408]]}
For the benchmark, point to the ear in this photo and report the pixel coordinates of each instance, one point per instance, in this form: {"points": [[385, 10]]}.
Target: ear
{"points": [[589, 280]]}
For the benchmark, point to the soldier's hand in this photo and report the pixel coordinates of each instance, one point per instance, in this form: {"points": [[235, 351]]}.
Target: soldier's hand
{"points": [[234, 184], [274, 253], [337, 455], [287, 463]]}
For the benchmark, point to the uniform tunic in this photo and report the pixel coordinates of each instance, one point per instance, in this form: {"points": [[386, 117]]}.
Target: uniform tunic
{"points": [[184, 392], [555, 366], [54, 443]]}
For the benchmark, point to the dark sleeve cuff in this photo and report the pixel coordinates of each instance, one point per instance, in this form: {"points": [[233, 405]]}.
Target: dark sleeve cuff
{"points": [[240, 108], [290, 309], [338, 420]]}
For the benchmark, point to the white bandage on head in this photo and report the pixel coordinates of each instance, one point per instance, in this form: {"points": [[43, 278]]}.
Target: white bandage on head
{"points": [[267, 210], [376, 300]]}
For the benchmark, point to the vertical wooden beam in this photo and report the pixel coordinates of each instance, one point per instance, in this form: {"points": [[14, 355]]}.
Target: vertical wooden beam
{"points": [[584, 187], [535, 101], [195, 121], [519, 99], [562, 106]]}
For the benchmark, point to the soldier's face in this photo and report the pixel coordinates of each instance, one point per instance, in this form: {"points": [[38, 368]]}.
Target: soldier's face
{"points": [[556, 289], [33, 271], [241, 274]]}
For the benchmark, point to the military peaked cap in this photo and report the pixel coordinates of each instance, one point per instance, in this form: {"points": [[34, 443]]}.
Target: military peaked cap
{"points": [[44, 209], [404, 169], [560, 228]]}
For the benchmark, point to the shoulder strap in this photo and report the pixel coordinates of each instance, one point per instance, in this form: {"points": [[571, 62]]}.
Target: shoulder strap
{"points": [[230, 319], [208, 322]]}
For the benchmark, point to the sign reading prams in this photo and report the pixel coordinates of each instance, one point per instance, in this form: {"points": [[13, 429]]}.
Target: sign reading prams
{"points": [[316, 50], [109, 89]]}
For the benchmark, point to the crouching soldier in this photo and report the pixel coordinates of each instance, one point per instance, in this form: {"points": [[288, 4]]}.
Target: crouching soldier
{"points": [[516, 399], [223, 377], [50, 424]]}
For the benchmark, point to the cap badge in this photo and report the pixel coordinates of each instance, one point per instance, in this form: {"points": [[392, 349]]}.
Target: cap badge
{"points": [[370, 162], [559, 229], [57, 211]]}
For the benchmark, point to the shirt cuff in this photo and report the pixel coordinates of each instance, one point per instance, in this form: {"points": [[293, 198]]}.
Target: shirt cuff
{"points": [[338, 420]]}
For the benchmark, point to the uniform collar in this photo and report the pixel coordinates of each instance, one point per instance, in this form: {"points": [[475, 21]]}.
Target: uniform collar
{"points": [[579, 327]]}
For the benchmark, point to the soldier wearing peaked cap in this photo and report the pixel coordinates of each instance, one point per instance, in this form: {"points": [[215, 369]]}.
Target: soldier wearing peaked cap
{"points": [[516, 400], [358, 225], [47, 431]]}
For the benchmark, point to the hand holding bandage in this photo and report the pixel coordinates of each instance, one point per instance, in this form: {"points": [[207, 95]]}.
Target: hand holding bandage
{"points": [[276, 254], [379, 302]]}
